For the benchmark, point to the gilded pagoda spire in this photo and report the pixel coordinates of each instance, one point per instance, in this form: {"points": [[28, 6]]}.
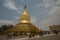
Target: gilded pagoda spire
{"points": [[25, 17]]}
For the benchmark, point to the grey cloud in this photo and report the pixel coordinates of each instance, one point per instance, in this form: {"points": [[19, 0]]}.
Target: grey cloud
{"points": [[2, 22], [54, 16], [10, 4]]}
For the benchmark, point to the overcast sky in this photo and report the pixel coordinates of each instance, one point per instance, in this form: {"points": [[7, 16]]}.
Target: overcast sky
{"points": [[42, 12]]}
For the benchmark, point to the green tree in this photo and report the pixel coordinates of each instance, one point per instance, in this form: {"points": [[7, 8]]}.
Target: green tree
{"points": [[5, 27]]}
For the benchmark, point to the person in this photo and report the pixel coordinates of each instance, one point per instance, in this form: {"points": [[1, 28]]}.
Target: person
{"points": [[8, 36], [55, 32], [32, 34]]}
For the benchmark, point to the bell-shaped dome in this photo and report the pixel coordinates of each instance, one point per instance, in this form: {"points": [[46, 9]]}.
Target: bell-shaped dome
{"points": [[25, 17]]}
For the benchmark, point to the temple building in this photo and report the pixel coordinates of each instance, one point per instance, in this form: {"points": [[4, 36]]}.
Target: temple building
{"points": [[54, 28], [24, 25]]}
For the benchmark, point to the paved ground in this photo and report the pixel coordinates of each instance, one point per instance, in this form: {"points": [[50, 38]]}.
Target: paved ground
{"points": [[53, 37], [44, 37]]}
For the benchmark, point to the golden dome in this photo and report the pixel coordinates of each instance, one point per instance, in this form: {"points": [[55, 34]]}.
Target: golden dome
{"points": [[25, 17]]}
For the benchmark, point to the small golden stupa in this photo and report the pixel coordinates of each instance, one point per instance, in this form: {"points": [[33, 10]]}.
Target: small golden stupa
{"points": [[24, 25]]}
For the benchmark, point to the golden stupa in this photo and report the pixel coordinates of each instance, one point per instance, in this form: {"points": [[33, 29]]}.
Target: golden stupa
{"points": [[24, 25]]}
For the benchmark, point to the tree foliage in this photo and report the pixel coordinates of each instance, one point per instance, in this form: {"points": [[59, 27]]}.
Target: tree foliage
{"points": [[5, 27]]}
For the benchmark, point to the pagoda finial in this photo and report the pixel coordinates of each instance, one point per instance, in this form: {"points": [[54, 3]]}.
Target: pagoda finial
{"points": [[25, 6]]}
